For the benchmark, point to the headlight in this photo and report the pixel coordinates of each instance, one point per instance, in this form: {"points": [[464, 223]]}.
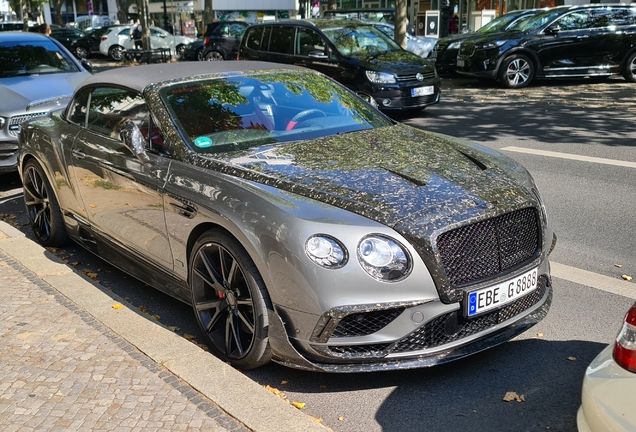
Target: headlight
{"points": [[383, 259], [491, 45], [454, 45], [326, 251], [2, 122], [381, 77]]}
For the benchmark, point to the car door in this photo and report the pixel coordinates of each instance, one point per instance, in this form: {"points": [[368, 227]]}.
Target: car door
{"points": [[256, 43], [160, 39], [122, 197], [611, 34], [313, 51], [281, 44]]}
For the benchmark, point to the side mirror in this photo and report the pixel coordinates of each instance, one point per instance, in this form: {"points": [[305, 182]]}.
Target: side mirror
{"points": [[87, 65], [369, 99], [553, 29], [318, 54], [133, 140]]}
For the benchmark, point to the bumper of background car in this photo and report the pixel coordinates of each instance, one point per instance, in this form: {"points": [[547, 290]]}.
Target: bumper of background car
{"points": [[607, 396], [286, 352], [8, 156], [480, 65], [400, 98]]}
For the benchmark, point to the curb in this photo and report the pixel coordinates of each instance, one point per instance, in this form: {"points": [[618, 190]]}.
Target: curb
{"points": [[239, 396]]}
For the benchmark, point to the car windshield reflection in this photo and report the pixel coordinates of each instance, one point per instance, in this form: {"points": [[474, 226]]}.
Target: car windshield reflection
{"points": [[33, 58]]}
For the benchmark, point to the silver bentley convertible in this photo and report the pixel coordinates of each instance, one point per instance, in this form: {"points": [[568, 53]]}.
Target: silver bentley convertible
{"points": [[301, 224]]}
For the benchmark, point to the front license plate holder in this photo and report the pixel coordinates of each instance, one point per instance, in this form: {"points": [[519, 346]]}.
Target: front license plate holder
{"points": [[460, 63], [422, 91], [496, 296]]}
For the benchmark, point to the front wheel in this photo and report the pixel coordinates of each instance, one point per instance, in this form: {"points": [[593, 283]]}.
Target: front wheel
{"points": [[180, 50], [42, 207], [230, 300], [116, 52], [629, 71], [81, 52], [516, 71]]}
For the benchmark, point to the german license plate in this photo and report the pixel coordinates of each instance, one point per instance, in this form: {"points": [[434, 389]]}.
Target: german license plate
{"points": [[422, 91], [460, 63], [496, 296]]}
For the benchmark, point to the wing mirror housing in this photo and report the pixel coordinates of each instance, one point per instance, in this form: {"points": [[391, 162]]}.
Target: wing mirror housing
{"points": [[553, 29], [317, 54], [87, 65], [134, 140]]}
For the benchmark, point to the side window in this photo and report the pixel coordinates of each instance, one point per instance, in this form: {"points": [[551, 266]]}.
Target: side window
{"points": [[307, 41], [575, 21], [77, 108], [254, 38], [110, 107], [282, 40], [622, 16]]}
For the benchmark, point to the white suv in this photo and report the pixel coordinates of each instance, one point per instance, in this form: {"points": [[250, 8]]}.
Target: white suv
{"points": [[117, 40]]}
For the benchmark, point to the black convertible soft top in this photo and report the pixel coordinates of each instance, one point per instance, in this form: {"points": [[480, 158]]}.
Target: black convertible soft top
{"points": [[139, 77]]}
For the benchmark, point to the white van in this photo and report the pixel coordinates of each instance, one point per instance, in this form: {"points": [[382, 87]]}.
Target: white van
{"points": [[91, 21]]}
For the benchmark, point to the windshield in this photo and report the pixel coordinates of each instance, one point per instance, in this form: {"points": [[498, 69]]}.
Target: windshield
{"points": [[33, 58], [221, 115], [498, 24], [536, 21], [360, 40]]}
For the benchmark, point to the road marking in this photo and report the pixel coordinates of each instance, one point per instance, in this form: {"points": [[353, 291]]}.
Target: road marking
{"points": [[594, 280], [571, 156]]}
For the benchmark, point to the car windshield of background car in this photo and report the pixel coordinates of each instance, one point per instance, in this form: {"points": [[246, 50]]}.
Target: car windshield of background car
{"points": [[221, 115], [498, 24], [535, 21], [33, 58], [360, 41]]}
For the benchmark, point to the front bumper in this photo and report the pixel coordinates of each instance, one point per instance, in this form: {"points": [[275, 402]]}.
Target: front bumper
{"points": [[482, 64], [607, 396], [390, 99], [8, 156]]}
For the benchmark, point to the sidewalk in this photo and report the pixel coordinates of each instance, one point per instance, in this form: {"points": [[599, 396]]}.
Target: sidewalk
{"points": [[69, 360]]}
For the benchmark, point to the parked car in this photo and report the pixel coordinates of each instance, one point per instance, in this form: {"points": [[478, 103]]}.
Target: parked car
{"points": [[194, 50], [117, 40], [66, 36], [354, 54], [301, 224], [222, 40], [609, 384], [88, 45], [446, 49], [36, 74], [371, 15], [419, 45], [596, 40], [11, 25]]}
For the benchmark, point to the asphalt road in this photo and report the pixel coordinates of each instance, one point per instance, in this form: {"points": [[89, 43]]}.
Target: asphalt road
{"points": [[590, 204]]}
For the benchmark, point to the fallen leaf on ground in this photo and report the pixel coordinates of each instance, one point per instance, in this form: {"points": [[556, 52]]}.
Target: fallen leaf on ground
{"points": [[156, 317], [92, 206], [627, 278], [173, 328], [618, 265], [316, 419], [572, 358], [323, 387], [341, 418], [75, 264], [91, 275], [512, 396], [203, 347], [142, 308], [117, 306], [189, 336], [283, 382], [299, 405]]}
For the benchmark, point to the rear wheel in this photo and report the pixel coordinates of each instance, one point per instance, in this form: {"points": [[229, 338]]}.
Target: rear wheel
{"points": [[199, 54], [230, 300], [629, 71], [180, 50], [516, 71], [81, 52], [214, 56], [116, 52], [42, 207]]}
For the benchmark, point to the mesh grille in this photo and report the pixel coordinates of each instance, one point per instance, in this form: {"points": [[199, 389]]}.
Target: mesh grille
{"points": [[434, 333], [376, 350], [16, 120], [365, 323], [487, 248]]}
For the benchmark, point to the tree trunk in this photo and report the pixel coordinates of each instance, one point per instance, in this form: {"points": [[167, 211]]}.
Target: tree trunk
{"points": [[208, 13], [400, 23]]}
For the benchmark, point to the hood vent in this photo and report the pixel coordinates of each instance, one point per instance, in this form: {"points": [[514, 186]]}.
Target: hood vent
{"points": [[406, 177], [475, 161]]}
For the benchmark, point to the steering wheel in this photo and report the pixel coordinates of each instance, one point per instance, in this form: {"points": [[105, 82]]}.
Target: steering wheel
{"points": [[296, 119]]}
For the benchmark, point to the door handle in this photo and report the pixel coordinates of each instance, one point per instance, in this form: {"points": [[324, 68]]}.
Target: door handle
{"points": [[78, 154], [582, 37]]}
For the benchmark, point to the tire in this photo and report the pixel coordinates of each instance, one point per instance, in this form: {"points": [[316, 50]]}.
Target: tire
{"points": [[81, 52], [516, 71], [629, 71], [229, 300], [42, 207], [214, 56], [116, 52], [198, 55], [179, 50]]}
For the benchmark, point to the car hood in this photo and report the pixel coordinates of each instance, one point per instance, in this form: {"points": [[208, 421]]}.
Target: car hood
{"points": [[17, 92], [400, 62], [391, 174]]}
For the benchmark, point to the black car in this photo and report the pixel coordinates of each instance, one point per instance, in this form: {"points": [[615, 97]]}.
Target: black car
{"points": [[88, 44], [11, 26], [222, 40], [194, 50], [66, 36], [446, 49], [353, 53], [564, 42]]}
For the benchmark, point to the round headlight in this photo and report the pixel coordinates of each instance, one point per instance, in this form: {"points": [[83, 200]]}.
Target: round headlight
{"points": [[326, 251], [384, 259]]}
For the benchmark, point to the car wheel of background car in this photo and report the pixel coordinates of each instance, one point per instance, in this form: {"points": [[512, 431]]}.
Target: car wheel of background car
{"points": [[180, 49], [116, 52], [230, 300], [301, 115], [630, 68], [42, 207], [214, 56], [516, 71], [199, 54], [81, 52]]}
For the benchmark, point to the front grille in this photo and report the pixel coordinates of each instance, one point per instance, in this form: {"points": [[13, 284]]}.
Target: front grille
{"points": [[413, 77], [490, 247], [376, 350], [419, 100], [434, 333], [467, 49], [17, 120], [365, 323]]}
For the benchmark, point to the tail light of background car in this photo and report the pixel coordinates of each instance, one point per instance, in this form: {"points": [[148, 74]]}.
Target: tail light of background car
{"points": [[104, 38], [207, 41], [625, 345]]}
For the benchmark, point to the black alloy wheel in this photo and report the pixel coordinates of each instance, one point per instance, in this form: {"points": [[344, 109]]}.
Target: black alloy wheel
{"points": [[516, 71], [199, 55], [230, 300], [81, 52], [214, 56], [629, 71], [42, 207]]}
